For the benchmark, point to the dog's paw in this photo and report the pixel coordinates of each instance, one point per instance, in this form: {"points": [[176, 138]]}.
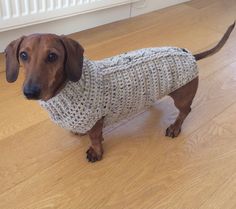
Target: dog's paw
{"points": [[92, 156], [173, 131]]}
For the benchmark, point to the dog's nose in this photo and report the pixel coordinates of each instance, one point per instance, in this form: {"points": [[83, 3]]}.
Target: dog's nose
{"points": [[32, 92]]}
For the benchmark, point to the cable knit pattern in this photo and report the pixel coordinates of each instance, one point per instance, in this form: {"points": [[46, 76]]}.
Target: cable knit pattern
{"points": [[120, 86]]}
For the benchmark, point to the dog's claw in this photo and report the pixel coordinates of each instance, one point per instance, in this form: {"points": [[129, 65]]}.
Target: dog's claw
{"points": [[78, 134], [92, 156], [173, 131]]}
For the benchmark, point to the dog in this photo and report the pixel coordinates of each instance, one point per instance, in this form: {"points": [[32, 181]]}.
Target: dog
{"points": [[84, 96]]}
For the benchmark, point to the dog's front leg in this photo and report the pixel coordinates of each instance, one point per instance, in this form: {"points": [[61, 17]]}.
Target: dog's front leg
{"points": [[94, 153]]}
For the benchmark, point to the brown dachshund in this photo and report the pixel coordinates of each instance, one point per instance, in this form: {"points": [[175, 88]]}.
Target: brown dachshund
{"points": [[50, 61]]}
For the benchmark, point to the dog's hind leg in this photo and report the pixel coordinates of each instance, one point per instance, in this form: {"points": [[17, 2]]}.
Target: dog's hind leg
{"points": [[183, 98]]}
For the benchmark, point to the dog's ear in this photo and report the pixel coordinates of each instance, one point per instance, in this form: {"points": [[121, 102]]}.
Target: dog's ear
{"points": [[12, 62], [74, 57]]}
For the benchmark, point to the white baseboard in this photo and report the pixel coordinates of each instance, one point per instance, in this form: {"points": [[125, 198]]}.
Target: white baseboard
{"points": [[145, 6], [88, 20]]}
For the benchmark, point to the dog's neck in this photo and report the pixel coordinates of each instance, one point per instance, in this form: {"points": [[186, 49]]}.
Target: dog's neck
{"points": [[65, 80], [60, 87]]}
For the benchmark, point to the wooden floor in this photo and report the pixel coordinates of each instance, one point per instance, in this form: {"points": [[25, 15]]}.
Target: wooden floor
{"points": [[43, 166]]}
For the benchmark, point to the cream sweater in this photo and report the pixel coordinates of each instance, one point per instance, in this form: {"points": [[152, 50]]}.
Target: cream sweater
{"points": [[120, 86]]}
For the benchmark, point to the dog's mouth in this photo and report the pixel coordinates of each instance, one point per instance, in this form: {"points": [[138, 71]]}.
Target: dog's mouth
{"points": [[32, 97], [37, 97]]}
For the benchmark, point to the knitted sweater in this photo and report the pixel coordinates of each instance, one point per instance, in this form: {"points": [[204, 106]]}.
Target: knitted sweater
{"points": [[121, 86]]}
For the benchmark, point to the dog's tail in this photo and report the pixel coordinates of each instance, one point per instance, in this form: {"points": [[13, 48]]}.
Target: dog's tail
{"points": [[215, 49]]}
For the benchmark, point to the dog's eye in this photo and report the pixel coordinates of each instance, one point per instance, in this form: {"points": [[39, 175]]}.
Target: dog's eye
{"points": [[24, 56], [52, 57]]}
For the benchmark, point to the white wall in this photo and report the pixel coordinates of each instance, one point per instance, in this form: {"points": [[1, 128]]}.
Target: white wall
{"points": [[89, 20]]}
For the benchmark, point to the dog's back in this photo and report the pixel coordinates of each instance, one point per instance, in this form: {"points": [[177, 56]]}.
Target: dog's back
{"points": [[133, 81]]}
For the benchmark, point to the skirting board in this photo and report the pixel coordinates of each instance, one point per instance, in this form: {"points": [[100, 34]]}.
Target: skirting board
{"points": [[89, 20], [145, 6]]}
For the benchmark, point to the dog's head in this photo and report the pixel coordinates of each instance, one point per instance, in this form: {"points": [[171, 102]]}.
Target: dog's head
{"points": [[48, 61]]}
